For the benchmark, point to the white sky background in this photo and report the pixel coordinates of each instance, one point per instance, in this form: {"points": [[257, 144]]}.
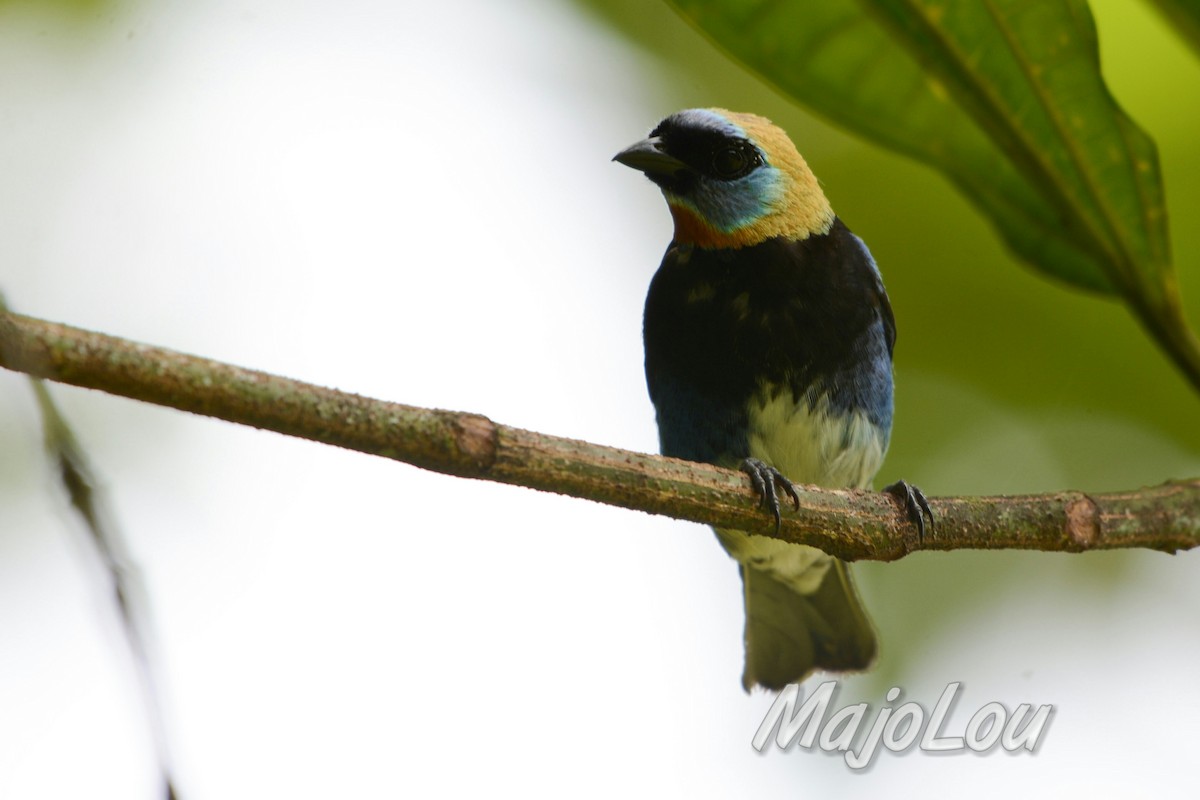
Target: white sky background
{"points": [[415, 201]]}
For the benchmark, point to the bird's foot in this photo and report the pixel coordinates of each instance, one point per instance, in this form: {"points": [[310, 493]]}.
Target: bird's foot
{"points": [[915, 505], [765, 480]]}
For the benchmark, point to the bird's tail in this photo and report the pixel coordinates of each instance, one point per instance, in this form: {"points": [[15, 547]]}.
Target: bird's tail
{"points": [[790, 633]]}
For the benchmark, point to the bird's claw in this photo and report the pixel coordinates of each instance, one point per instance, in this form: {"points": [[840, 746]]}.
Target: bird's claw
{"points": [[915, 505], [765, 478]]}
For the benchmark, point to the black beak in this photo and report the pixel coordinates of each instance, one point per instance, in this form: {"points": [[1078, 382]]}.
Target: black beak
{"points": [[650, 157]]}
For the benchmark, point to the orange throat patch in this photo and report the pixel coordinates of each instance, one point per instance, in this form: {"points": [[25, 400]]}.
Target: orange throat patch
{"points": [[691, 228]]}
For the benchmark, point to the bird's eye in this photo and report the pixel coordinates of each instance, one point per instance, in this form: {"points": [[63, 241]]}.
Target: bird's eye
{"points": [[730, 162]]}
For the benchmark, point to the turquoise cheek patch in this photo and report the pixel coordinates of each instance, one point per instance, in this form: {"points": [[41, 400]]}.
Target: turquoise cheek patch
{"points": [[731, 205]]}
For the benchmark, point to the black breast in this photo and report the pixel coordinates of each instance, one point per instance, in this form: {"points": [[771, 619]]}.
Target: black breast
{"points": [[810, 317]]}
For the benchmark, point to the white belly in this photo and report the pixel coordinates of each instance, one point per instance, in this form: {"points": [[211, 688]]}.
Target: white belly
{"points": [[807, 446], [815, 447]]}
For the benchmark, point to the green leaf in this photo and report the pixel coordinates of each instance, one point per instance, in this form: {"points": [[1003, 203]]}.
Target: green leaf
{"points": [[1184, 18], [1006, 98], [1029, 75]]}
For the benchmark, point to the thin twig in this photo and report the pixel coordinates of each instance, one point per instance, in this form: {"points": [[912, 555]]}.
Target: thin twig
{"points": [[77, 478]]}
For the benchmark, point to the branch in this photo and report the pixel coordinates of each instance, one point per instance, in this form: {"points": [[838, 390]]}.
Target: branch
{"points": [[847, 523]]}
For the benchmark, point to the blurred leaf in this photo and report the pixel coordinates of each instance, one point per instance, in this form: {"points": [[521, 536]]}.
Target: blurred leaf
{"points": [[1006, 98], [69, 6], [1184, 18]]}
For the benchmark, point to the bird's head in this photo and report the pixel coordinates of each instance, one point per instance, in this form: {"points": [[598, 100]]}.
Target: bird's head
{"points": [[731, 180]]}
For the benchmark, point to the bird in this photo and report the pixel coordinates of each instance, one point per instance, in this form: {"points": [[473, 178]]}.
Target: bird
{"points": [[768, 348]]}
